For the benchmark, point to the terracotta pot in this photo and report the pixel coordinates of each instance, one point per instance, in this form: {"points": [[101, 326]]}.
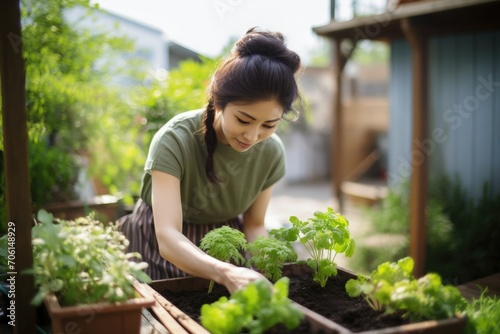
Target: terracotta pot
{"points": [[99, 318], [317, 322]]}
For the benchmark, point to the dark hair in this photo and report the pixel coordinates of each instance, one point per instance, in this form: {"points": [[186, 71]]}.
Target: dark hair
{"points": [[260, 67]]}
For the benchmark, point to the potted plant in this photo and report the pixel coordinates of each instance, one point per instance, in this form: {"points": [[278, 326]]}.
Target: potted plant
{"points": [[85, 277]]}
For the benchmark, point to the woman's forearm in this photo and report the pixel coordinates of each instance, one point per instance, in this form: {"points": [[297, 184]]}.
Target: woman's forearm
{"points": [[254, 217], [181, 252], [252, 231]]}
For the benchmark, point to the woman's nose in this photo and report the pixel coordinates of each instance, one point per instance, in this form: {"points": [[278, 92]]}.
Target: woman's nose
{"points": [[252, 134]]}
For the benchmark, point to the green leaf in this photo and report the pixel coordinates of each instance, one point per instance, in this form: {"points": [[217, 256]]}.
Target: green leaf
{"points": [[281, 289], [406, 264], [349, 251], [44, 217], [67, 260], [142, 277], [354, 288]]}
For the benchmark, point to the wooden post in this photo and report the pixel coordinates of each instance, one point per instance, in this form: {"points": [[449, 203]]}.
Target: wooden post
{"points": [[337, 157], [419, 159], [16, 164]]}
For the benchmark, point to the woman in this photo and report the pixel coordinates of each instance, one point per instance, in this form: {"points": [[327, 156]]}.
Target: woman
{"points": [[216, 166]]}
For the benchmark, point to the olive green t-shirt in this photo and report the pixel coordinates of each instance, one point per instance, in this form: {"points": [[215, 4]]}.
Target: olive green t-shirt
{"points": [[178, 148]]}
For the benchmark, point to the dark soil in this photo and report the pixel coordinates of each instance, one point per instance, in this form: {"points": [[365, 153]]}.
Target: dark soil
{"points": [[331, 302], [334, 303]]}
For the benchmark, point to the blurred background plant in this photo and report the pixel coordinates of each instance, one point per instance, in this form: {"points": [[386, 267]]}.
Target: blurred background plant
{"points": [[462, 234], [121, 152], [66, 94]]}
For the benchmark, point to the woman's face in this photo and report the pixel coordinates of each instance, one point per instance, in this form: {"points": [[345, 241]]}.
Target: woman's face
{"points": [[243, 125]]}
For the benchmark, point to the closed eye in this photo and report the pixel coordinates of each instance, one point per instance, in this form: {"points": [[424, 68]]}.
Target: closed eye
{"points": [[246, 123], [242, 121], [269, 126]]}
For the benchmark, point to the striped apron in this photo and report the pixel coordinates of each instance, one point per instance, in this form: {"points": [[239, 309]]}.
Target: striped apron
{"points": [[138, 228]]}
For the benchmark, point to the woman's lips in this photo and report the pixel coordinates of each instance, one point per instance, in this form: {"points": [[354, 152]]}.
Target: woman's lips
{"points": [[242, 144]]}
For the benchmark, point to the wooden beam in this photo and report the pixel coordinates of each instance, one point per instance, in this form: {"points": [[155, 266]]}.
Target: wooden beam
{"points": [[16, 162], [419, 159], [340, 59], [385, 24]]}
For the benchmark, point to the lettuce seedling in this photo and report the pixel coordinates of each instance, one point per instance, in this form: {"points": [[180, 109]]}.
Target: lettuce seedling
{"points": [[391, 287], [270, 255], [374, 288], [253, 309], [226, 244], [323, 236]]}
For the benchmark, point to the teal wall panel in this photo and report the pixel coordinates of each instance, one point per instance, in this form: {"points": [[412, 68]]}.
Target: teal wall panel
{"points": [[399, 136], [464, 110]]}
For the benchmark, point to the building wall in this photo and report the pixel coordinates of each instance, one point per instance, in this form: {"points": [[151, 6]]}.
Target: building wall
{"points": [[307, 143], [365, 122], [149, 41], [177, 54], [464, 106]]}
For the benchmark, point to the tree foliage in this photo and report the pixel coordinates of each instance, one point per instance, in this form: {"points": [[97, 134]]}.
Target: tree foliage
{"points": [[65, 91], [76, 108]]}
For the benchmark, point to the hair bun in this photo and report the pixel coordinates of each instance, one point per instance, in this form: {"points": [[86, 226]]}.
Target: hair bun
{"points": [[268, 44]]}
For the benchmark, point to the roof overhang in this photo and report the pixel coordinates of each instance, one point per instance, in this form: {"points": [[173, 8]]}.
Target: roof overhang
{"points": [[435, 17]]}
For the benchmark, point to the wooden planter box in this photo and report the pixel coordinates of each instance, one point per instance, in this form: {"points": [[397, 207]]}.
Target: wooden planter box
{"points": [[99, 318], [317, 322], [107, 207]]}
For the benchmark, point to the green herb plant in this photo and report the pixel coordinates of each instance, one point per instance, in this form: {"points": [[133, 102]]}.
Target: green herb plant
{"points": [[253, 309], [392, 288], [270, 255], [226, 244], [483, 314], [323, 236], [83, 262]]}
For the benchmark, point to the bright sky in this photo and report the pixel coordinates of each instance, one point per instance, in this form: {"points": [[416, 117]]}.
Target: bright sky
{"points": [[206, 26]]}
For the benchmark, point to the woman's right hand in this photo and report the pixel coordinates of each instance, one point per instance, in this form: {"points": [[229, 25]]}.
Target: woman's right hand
{"points": [[235, 278]]}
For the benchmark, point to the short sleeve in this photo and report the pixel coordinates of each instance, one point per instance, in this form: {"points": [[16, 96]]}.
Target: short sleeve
{"points": [[277, 167], [166, 153]]}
